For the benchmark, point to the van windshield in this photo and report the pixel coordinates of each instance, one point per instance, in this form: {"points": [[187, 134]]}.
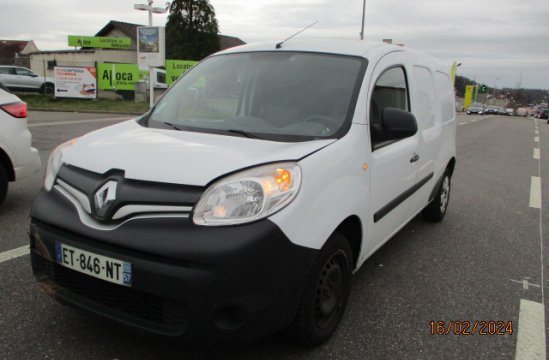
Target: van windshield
{"points": [[280, 96]]}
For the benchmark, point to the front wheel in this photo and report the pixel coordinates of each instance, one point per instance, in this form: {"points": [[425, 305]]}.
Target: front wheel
{"points": [[326, 293], [436, 210]]}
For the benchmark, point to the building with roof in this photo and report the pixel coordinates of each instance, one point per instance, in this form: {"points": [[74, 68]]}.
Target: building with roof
{"points": [[43, 62], [16, 52]]}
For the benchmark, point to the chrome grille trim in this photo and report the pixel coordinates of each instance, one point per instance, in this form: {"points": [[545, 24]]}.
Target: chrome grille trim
{"points": [[140, 209], [82, 205]]}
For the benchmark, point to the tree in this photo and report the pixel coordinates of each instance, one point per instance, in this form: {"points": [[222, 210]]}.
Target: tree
{"points": [[191, 31]]}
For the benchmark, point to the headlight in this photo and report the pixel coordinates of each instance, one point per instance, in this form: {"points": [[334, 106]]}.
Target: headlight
{"points": [[54, 164], [249, 195]]}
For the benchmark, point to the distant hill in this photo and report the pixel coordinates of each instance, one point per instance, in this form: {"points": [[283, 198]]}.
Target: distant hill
{"points": [[521, 96]]}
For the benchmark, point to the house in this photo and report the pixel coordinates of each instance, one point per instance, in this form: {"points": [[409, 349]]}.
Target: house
{"points": [[43, 62], [15, 52]]}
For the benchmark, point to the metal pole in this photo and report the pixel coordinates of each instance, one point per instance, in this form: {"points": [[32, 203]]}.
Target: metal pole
{"points": [[151, 88], [363, 16]]}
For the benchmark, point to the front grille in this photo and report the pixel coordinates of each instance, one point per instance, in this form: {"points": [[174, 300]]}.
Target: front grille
{"points": [[167, 315]]}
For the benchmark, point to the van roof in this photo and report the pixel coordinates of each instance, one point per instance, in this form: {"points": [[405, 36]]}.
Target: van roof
{"points": [[332, 46], [367, 49]]}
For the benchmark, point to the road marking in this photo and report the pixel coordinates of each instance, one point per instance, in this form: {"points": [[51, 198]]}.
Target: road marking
{"points": [[55, 123], [463, 123], [525, 284], [536, 153], [536, 138], [15, 253], [531, 331], [535, 192]]}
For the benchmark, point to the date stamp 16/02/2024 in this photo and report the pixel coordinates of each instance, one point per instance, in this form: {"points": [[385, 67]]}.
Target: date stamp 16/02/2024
{"points": [[479, 327]]}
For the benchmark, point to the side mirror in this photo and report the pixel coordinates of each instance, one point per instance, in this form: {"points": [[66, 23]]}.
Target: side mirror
{"points": [[33, 75], [398, 124]]}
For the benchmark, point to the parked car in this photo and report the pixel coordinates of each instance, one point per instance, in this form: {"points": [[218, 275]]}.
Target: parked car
{"points": [[544, 114], [475, 109], [18, 78], [17, 158], [523, 111], [243, 202], [491, 110], [502, 111], [509, 111]]}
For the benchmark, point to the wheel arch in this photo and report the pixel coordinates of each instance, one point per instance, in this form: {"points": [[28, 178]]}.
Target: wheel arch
{"points": [[451, 166], [6, 162], [351, 228]]}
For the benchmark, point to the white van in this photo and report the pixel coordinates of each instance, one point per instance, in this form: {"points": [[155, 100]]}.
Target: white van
{"points": [[241, 204]]}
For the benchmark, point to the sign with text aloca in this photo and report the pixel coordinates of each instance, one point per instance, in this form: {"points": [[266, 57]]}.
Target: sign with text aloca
{"points": [[176, 68], [151, 46], [100, 42], [75, 82], [117, 76]]}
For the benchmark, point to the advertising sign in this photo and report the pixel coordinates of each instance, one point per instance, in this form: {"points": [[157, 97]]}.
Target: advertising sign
{"points": [[151, 46], [176, 68], [117, 76], [75, 82], [468, 96], [100, 42]]}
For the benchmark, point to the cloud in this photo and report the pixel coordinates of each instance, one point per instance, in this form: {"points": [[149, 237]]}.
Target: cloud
{"points": [[492, 38]]}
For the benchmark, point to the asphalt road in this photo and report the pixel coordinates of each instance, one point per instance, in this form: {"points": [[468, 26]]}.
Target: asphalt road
{"points": [[487, 257]]}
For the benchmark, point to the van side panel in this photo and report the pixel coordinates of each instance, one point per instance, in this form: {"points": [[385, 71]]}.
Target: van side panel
{"points": [[335, 185]]}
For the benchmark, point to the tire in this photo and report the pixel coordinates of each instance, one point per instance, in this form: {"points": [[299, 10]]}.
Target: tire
{"points": [[47, 88], [325, 294], [436, 210], [3, 183]]}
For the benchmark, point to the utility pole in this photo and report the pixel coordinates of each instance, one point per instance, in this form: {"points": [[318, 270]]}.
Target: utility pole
{"points": [[151, 10]]}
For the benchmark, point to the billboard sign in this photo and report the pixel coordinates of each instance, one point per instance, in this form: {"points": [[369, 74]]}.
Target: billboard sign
{"points": [[176, 68], [151, 46], [117, 76], [100, 42], [75, 82]]}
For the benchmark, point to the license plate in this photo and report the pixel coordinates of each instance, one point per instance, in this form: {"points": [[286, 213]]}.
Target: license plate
{"points": [[99, 266]]}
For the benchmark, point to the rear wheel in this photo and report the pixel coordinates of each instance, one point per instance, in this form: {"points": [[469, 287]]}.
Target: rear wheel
{"points": [[436, 210], [47, 88], [326, 293], [3, 183]]}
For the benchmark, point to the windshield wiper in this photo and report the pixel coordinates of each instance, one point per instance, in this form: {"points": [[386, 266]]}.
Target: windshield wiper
{"points": [[244, 133], [173, 126]]}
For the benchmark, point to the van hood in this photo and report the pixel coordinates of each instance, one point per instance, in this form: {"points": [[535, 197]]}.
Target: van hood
{"points": [[178, 157]]}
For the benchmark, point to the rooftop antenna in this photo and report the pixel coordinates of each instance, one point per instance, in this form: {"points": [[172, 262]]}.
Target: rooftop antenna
{"points": [[279, 45]]}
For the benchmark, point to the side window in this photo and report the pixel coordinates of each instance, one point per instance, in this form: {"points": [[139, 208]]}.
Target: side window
{"points": [[390, 90], [6, 70], [23, 72], [426, 97], [445, 92]]}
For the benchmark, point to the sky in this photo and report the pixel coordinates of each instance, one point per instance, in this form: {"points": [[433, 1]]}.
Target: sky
{"points": [[500, 43]]}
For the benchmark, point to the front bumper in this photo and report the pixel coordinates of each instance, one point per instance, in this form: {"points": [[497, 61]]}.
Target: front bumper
{"points": [[201, 284]]}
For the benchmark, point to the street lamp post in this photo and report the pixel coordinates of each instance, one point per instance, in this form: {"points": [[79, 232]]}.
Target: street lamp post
{"points": [[494, 94], [156, 10]]}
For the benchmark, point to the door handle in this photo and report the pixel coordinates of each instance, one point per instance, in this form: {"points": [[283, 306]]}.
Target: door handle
{"points": [[414, 158]]}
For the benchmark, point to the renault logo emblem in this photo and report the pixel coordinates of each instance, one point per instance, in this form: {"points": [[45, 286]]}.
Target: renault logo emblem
{"points": [[104, 197]]}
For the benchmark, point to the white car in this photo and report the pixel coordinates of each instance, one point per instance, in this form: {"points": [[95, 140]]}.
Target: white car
{"points": [[243, 202], [17, 158], [20, 78]]}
